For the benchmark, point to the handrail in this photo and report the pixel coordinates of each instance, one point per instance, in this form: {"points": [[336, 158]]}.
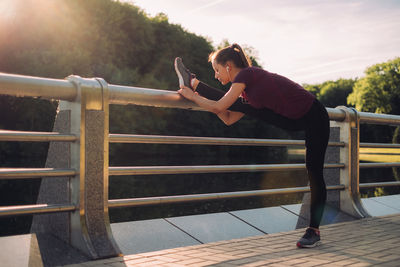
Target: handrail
{"points": [[381, 184], [148, 170], [25, 136], [20, 85], [135, 202], [194, 140], [23, 173], [35, 209], [375, 118], [379, 145], [379, 165]]}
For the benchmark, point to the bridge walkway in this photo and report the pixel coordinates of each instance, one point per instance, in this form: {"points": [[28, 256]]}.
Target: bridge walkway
{"points": [[372, 241]]}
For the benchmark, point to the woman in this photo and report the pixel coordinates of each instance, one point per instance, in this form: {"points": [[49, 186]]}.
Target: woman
{"points": [[271, 98]]}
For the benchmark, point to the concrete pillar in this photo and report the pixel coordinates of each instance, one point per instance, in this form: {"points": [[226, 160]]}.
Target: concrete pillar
{"points": [[350, 201], [88, 228]]}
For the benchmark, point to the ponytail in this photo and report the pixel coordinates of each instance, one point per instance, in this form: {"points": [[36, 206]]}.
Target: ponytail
{"points": [[243, 56], [232, 53]]}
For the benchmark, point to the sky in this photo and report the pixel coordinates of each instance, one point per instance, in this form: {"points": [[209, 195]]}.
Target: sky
{"points": [[308, 41]]}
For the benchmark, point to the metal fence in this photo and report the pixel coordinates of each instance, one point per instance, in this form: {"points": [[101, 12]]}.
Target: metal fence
{"points": [[87, 102]]}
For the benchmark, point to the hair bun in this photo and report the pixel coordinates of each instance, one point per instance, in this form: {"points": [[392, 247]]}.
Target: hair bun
{"points": [[236, 47]]}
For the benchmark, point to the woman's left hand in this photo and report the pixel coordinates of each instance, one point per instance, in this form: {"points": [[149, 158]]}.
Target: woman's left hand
{"points": [[187, 93]]}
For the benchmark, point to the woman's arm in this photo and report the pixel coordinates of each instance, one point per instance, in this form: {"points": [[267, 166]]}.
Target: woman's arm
{"points": [[230, 117], [214, 106]]}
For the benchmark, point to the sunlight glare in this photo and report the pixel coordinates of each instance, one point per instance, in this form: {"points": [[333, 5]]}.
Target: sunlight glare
{"points": [[7, 9]]}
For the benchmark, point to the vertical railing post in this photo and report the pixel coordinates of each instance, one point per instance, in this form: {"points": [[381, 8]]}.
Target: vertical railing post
{"points": [[350, 201], [89, 224]]}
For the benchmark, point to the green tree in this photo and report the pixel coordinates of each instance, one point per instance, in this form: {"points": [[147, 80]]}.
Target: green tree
{"points": [[335, 93], [332, 93], [379, 90]]}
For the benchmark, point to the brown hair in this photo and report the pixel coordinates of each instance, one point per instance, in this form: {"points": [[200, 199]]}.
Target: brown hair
{"points": [[232, 53]]}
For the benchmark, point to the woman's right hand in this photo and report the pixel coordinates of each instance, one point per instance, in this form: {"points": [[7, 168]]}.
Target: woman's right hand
{"points": [[187, 93]]}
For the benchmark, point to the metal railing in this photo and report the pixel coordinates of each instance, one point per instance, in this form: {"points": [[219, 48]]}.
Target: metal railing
{"points": [[86, 102]]}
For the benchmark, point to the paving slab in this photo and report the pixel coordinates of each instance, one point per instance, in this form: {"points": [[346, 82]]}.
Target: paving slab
{"points": [[269, 220], [376, 208], [149, 235], [214, 227], [35, 250], [294, 208], [15, 250], [392, 201]]}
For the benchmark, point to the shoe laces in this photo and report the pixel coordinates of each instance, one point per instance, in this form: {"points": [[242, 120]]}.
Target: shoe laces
{"points": [[310, 233]]}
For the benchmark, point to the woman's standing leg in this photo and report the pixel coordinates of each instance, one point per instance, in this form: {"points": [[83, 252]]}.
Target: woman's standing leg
{"points": [[317, 137], [316, 143]]}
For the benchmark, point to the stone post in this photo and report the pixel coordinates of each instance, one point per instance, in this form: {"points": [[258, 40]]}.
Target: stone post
{"points": [[88, 227]]}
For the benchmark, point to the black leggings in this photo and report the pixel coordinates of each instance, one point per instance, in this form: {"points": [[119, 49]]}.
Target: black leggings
{"points": [[315, 123]]}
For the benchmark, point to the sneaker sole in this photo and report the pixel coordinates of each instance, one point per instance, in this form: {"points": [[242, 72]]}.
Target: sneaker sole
{"points": [[181, 82], [318, 243]]}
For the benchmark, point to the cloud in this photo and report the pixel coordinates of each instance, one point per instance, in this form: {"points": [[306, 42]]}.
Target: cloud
{"points": [[211, 4]]}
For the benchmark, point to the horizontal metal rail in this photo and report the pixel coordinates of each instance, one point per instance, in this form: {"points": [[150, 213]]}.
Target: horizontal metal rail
{"points": [[191, 140], [379, 145], [375, 118], [19, 85], [155, 170], [6, 135], [124, 95], [36, 136], [336, 114], [135, 202], [379, 165], [381, 184], [35, 209], [23, 173]]}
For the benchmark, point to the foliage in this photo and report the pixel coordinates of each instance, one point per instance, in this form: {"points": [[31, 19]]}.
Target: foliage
{"points": [[332, 93], [379, 90]]}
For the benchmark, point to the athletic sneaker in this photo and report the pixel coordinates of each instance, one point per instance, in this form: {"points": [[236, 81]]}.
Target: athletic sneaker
{"points": [[184, 75], [310, 239]]}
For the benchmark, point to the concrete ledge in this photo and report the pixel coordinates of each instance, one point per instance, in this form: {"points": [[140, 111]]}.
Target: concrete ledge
{"points": [[380, 206]]}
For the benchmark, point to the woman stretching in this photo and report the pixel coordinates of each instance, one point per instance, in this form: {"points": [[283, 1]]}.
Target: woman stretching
{"points": [[271, 98]]}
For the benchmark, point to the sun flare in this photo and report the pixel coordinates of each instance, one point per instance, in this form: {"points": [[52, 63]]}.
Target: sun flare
{"points": [[8, 9]]}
